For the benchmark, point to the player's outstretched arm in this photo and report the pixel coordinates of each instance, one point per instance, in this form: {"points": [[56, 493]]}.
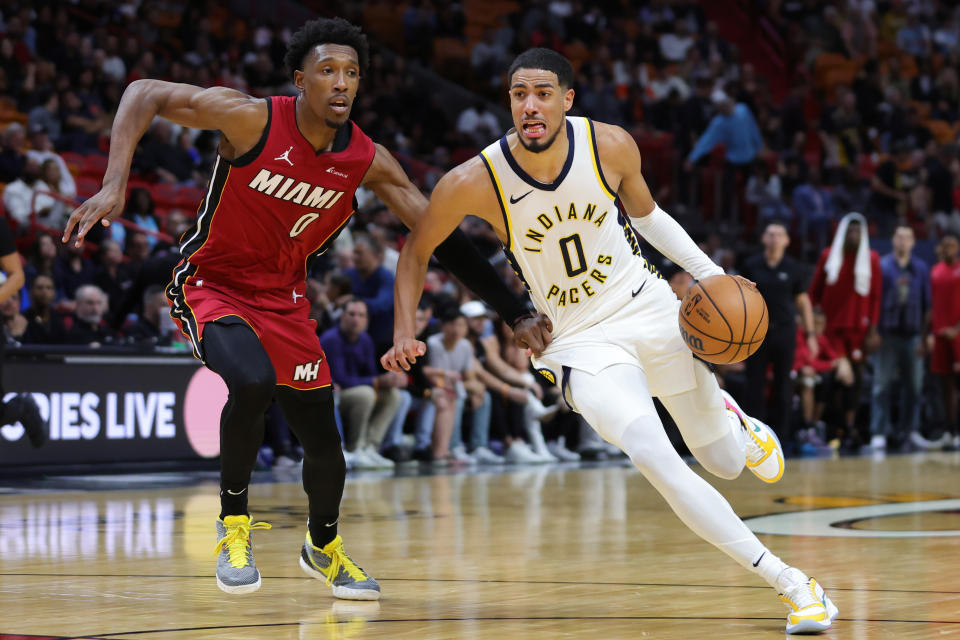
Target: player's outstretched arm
{"points": [[456, 253], [620, 159], [238, 116], [446, 209]]}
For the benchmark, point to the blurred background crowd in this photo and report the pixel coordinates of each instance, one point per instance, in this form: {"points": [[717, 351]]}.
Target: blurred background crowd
{"points": [[763, 125]]}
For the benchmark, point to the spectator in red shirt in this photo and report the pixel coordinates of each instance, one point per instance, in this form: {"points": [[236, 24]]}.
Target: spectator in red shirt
{"points": [[847, 285], [820, 375], [944, 338]]}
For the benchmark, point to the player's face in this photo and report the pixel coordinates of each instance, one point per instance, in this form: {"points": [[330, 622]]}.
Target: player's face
{"points": [[329, 82], [539, 105]]}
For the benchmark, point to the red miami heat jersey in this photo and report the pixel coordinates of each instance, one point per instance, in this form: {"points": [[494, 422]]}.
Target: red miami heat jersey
{"points": [[267, 212]]}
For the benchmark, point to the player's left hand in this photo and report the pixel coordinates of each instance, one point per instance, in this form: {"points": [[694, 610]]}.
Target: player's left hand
{"points": [[533, 334], [402, 354], [744, 281]]}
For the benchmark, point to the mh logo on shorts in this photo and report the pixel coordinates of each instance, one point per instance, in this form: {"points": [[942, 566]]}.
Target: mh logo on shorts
{"points": [[307, 372]]}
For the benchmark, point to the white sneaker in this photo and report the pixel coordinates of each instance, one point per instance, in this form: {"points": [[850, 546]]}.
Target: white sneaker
{"points": [[811, 611], [483, 455], [917, 440], [379, 460], [520, 453], [536, 410], [363, 461], [285, 462], [559, 450], [764, 453], [878, 443], [459, 454], [350, 459]]}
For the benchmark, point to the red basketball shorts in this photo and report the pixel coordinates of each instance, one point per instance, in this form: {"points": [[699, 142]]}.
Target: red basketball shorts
{"points": [[281, 320]]}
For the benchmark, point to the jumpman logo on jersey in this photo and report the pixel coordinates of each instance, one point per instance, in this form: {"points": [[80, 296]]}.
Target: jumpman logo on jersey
{"points": [[286, 156], [296, 295]]}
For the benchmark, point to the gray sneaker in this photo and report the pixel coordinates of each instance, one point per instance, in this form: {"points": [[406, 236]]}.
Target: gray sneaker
{"points": [[236, 570], [332, 565]]}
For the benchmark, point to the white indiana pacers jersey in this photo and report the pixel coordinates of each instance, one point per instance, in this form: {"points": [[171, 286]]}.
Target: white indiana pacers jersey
{"points": [[568, 241]]}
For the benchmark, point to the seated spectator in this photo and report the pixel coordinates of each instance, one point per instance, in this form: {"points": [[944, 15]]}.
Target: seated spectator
{"points": [[51, 210], [113, 278], [71, 270], [148, 330], [174, 226], [45, 116], [813, 204], [158, 155], [89, 326], [450, 367], [44, 324], [41, 259], [373, 283], [138, 249], [14, 323], [820, 378], [764, 191], [139, 211], [82, 124], [367, 399], [42, 150], [675, 43], [18, 195], [12, 152], [478, 124]]}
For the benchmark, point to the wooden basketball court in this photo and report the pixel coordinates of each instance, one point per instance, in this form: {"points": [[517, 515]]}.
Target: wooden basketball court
{"points": [[558, 552]]}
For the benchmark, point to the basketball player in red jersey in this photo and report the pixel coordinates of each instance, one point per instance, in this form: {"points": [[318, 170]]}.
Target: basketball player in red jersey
{"points": [[282, 188]]}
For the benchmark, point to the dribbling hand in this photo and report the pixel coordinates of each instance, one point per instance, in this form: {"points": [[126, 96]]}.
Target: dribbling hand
{"points": [[106, 205], [533, 334], [402, 354]]}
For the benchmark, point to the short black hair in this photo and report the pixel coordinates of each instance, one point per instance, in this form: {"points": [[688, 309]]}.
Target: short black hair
{"points": [[950, 234], [451, 315], [546, 59], [325, 31]]}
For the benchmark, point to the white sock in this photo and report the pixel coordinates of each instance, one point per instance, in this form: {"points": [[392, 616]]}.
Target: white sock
{"points": [[769, 567]]}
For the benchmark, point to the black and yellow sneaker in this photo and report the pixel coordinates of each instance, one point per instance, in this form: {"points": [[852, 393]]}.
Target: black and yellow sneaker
{"points": [[332, 565], [236, 570]]}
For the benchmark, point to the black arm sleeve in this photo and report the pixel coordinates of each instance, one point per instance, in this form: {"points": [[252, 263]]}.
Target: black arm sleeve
{"points": [[458, 255]]}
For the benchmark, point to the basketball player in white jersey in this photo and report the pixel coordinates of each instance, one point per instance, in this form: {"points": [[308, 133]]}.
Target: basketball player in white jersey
{"points": [[550, 189]]}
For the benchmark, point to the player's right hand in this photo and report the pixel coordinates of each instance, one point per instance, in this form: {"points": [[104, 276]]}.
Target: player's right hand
{"points": [[402, 354], [106, 204]]}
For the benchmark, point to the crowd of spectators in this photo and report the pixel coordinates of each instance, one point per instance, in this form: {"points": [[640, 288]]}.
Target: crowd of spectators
{"points": [[866, 121]]}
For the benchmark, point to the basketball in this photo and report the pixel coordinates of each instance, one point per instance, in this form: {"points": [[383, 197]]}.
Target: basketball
{"points": [[723, 320]]}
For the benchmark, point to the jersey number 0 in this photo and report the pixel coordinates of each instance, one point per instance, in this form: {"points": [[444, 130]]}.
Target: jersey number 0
{"points": [[568, 260], [303, 223]]}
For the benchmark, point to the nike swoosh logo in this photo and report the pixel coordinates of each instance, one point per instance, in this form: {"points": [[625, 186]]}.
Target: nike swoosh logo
{"points": [[759, 559], [515, 200], [637, 292], [238, 493], [332, 523]]}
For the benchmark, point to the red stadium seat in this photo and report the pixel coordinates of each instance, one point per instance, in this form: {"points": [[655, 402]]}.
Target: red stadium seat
{"points": [[86, 187], [188, 198], [94, 166], [164, 195]]}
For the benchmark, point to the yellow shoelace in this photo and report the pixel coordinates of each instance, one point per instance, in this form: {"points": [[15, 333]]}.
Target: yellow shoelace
{"points": [[339, 558], [237, 539]]}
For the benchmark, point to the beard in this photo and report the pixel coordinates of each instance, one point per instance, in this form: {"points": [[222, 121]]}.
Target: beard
{"points": [[333, 124], [537, 146]]}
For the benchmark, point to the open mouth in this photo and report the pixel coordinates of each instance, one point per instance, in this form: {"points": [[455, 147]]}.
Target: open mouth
{"points": [[534, 128], [340, 105]]}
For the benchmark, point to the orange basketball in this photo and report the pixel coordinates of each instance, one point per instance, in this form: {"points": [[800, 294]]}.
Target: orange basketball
{"points": [[722, 320]]}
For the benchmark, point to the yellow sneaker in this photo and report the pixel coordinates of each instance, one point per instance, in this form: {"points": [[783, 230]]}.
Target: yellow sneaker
{"points": [[332, 565], [811, 611], [236, 570], [764, 453]]}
